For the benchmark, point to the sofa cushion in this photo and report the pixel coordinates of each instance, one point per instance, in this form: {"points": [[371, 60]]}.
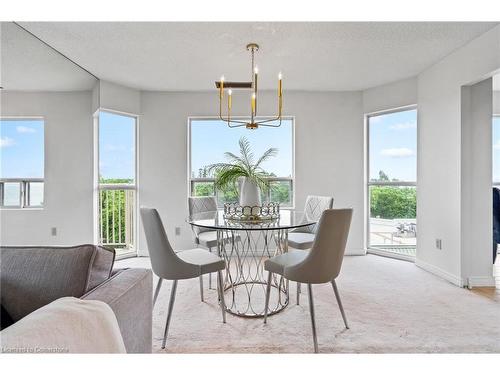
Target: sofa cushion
{"points": [[32, 277]]}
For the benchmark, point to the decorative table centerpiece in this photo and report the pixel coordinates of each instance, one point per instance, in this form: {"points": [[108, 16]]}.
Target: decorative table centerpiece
{"points": [[264, 212]]}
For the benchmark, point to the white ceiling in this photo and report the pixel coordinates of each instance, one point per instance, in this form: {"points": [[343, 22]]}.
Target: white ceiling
{"points": [[27, 64], [312, 56]]}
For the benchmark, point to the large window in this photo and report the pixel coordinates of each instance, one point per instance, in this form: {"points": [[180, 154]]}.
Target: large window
{"points": [[211, 138], [21, 163], [117, 181], [392, 176]]}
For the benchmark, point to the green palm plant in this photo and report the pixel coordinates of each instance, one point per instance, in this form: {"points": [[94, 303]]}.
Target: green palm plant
{"points": [[227, 174]]}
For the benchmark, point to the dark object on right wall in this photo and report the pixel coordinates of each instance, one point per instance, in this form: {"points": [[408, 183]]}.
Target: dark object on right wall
{"points": [[496, 221]]}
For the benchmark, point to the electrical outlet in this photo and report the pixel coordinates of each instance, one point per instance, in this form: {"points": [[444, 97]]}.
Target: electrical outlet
{"points": [[53, 231], [439, 244], [177, 231]]}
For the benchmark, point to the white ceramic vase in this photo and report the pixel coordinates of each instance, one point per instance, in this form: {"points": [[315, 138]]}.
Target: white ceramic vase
{"points": [[249, 192]]}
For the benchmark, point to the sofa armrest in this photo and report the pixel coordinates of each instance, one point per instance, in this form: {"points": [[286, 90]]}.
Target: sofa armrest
{"points": [[129, 294]]}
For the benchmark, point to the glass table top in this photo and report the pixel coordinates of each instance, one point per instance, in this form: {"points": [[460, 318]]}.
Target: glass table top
{"points": [[289, 219]]}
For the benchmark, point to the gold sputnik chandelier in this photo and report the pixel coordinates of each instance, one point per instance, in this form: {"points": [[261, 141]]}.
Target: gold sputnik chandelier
{"points": [[223, 85]]}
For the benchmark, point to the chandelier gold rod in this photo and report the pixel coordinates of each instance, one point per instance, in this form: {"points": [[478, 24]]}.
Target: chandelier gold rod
{"points": [[253, 124]]}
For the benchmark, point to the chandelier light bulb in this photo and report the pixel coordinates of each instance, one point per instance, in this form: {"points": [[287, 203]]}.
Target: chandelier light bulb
{"points": [[253, 122]]}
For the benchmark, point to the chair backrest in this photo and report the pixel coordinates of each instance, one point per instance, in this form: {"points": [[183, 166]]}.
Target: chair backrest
{"points": [[199, 205], [315, 205], [165, 263], [325, 257]]}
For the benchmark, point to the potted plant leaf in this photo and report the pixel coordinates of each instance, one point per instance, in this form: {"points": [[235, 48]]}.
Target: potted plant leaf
{"points": [[244, 172]]}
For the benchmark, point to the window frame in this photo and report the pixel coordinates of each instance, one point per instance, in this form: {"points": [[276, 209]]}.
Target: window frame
{"points": [[368, 183], [24, 183], [191, 181], [99, 187]]}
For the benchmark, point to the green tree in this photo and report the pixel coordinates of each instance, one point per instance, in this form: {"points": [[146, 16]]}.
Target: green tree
{"points": [[393, 202]]}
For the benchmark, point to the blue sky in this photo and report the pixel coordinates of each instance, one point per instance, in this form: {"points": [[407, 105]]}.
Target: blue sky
{"points": [[22, 149], [211, 138], [116, 146], [393, 145]]}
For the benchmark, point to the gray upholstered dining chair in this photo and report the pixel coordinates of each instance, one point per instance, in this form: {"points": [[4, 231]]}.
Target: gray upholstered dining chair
{"points": [[169, 265], [319, 265], [204, 237], [303, 238]]}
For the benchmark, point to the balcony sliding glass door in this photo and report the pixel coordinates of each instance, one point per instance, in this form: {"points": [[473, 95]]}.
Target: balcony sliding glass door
{"points": [[117, 182], [392, 177]]}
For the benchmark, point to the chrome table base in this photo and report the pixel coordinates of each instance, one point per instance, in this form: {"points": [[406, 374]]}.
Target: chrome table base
{"points": [[244, 280]]}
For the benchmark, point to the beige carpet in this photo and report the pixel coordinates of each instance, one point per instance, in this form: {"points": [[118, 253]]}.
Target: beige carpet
{"points": [[392, 307]]}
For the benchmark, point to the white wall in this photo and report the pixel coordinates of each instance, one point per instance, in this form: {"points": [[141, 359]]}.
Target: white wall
{"points": [[476, 203], [393, 95], [439, 152], [328, 142], [496, 102], [68, 170]]}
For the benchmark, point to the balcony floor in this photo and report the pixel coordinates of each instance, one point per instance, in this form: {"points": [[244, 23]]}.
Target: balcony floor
{"points": [[402, 251]]}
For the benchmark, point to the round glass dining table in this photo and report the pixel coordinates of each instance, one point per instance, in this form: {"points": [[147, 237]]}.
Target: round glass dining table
{"points": [[245, 246]]}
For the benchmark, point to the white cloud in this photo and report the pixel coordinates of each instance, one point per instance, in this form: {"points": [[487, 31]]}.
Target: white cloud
{"points": [[6, 142], [397, 152], [404, 125], [111, 147], [496, 146], [25, 129]]}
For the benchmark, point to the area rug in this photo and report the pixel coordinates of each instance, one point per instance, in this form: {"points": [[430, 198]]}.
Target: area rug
{"points": [[392, 307]]}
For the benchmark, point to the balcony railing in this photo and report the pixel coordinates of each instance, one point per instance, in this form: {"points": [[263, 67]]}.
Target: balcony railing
{"points": [[281, 190], [392, 219], [117, 217], [21, 192]]}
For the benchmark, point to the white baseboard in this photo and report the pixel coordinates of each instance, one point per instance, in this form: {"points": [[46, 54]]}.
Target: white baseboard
{"points": [[480, 281], [391, 255], [440, 272], [355, 252]]}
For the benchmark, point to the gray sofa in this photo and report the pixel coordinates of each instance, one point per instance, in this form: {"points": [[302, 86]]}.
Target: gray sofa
{"points": [[32, 277]]}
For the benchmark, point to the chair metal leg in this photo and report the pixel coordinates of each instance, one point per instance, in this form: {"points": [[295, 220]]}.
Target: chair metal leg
{"points": [[169, 315], [337, 295], [268, 293], [201, 287], [210, 275], [157, 291], [313, 320], [220, 290], [298, 293]]}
